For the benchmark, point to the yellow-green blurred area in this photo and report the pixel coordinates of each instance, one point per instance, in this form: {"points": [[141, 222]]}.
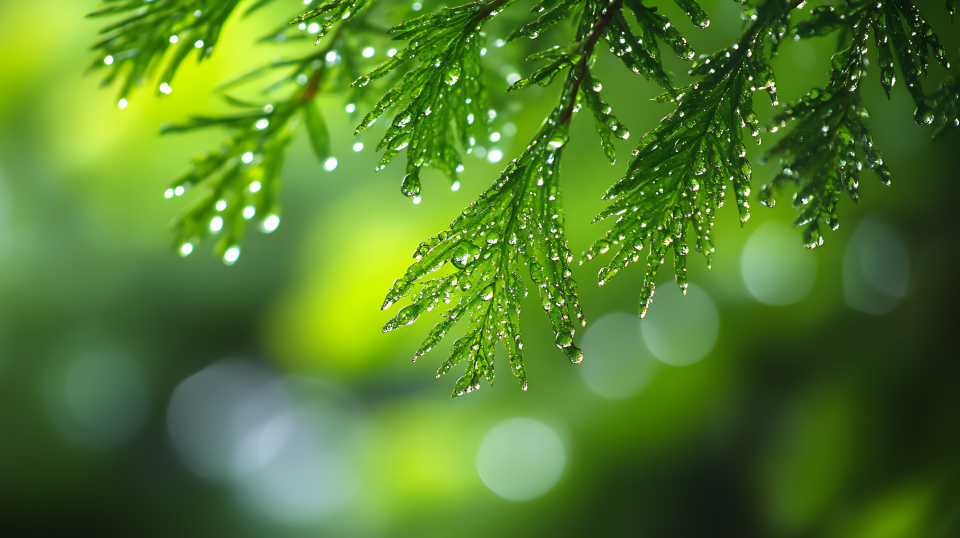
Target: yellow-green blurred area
{"points": [[791, 393]]}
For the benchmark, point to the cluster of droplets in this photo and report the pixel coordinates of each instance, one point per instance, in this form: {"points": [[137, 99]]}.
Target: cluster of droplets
{"points": [[825, 153], [435, 96], [680, 171], [240, 197], [518, 216], [144, 39]]}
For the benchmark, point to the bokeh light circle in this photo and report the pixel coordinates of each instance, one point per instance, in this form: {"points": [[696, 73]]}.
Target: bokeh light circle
{"points": [[287, 447], [876, 268], [98, 398], [617, 365], [680, 329], [520, 459], [776, 269], [206, 416]]}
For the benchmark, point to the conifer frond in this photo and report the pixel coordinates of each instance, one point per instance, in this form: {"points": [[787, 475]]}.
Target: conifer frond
{"points": [[136, 46], [241, 178], [886, 18], [679, 172], [674, 183], [640, 54], [518, 221], [824, 154], [442, 91]]}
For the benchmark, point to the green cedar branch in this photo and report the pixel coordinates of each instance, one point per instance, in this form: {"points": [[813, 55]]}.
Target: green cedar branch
{"points": [[639, 53], [241, 177], [824, 154], [137, 45], [679, 172], [443, 90], [886, 18], [519, 220]]}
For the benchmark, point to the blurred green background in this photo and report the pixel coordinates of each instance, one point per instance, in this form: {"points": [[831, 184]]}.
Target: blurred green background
{"points": [[791, 393]]}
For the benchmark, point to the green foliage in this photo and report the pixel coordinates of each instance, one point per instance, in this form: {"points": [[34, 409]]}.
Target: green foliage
{"points": [[138, 44], [678, 175], [824, 154], [675, 181], [442, 91], [241, 178], [519, 220]]}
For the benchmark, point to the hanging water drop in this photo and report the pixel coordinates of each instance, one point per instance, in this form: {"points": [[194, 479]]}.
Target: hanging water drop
{"points": [[410, 186], [231, 255]]}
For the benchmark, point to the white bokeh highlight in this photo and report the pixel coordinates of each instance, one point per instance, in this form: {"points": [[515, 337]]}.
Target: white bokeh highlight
{"points": [[520, 459], [617, 364], [876, 268], [98, 398], [680, 329], [287, 447], [776, 269]]}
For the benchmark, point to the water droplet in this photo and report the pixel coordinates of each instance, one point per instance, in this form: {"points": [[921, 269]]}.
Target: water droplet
{"points": [[564, 340], [231, 255], [270, 223], [461, 257], [410, 186], [330, 164], [216, 224], [924, 115], [186, 249]]}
